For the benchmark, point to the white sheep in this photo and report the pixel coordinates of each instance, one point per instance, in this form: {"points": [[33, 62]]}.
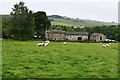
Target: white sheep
{"points": [[45, 44], [107, 45], [104, 46], [64, 43], [47, 41], [40, 44]]}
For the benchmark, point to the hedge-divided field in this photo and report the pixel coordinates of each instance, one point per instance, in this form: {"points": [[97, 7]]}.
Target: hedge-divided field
{"points": [[77, 22], [23, 59]]}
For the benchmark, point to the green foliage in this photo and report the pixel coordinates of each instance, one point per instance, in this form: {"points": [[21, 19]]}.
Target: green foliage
{"points": [[5, 26], [111, 31], [23, 59], [22, 23], [65, 28], [41, 23], [0, 26]]}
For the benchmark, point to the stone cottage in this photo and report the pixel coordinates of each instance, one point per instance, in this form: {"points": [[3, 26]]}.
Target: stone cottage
{"points": [[60, 35], [76, 36], [97, 37], [55, 35]]}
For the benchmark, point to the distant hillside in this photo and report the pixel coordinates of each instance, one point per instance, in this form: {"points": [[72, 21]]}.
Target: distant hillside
{"points": [[61, 20], [55, 16]]}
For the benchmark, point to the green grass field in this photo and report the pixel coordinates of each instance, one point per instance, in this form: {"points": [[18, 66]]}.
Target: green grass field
{"points": [[23, 59], [78, 23]]}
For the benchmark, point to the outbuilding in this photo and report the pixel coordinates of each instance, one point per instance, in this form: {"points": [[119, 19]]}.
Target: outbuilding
{"points": [[59, 35], [76, 36], [97, 37]]}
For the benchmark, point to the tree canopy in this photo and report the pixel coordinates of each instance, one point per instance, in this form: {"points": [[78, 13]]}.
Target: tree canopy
{"points": [[22, 22], [41, 23]]}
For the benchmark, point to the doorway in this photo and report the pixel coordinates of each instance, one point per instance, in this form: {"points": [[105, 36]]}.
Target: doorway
{"points": [[100, 38], [79, 38]]}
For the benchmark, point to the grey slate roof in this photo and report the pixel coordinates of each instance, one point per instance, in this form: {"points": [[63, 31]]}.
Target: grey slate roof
{"points": [[55, 31], [67, 33], [96, 34], [76, 33]]}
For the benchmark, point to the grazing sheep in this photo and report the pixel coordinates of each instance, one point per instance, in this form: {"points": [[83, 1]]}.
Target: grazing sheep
{"points": [[45, 44], [64, 43], [47, 41], [107, 45], [40, 44], [104, 46]]}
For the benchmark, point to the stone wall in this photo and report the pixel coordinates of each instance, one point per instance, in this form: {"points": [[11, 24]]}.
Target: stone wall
{"points": [[54, 36], [97, 38], [76, 37]]}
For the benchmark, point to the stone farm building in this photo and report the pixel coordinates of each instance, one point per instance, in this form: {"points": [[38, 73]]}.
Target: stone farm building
{"points": [[60, 35], [97, 37]]}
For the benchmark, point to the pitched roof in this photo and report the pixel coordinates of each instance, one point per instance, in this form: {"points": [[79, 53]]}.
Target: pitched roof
{"points": [[76, 33], [67, 33], [96, 34], [55, 31]]}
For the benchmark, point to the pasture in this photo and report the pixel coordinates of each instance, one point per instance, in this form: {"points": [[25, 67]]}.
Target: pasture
{"points": [[78, 23], [23, 59]]}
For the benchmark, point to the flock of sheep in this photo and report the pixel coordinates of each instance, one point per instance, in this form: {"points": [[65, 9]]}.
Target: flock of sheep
{"points": [[47, 42], [64, 43], [44, 43], [106, 45]]}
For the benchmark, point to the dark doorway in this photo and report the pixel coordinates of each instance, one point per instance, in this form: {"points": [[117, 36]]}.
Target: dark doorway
{"points": [[100, 38], [54, 39], [79, 38]]}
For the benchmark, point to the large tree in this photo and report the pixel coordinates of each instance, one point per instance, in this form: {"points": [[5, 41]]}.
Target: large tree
{"points": [[22, 22], [41, 23]]}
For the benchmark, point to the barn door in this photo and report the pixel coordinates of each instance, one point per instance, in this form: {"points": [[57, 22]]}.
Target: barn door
{"points": [[79, 38]]}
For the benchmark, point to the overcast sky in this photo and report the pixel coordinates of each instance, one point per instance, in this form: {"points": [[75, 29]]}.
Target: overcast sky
{"points": [[102, 10]]}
